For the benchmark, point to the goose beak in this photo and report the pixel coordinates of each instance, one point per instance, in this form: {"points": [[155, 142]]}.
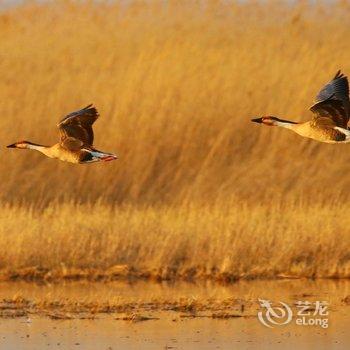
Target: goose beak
{"points": [[13, 145], [257, 120]]}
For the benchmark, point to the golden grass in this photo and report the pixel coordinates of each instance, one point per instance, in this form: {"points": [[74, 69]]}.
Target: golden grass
{"points": [[176, 87], [198, 189], [190, 242]]}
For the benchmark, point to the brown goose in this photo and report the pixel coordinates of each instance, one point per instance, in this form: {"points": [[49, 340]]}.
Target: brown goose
{"points": [[331, 109], [76, 143]]}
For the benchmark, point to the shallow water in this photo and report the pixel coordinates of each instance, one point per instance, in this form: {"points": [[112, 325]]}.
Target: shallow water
{"points": [[186, 334], [171, 330], [283, 289]]}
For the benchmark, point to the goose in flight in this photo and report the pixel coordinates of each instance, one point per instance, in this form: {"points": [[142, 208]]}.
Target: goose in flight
{"points": [[331, 114], [76, 142]]}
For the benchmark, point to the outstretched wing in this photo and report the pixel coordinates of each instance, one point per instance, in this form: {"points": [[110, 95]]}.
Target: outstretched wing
{"points": [[76, 128], [333, 101]]}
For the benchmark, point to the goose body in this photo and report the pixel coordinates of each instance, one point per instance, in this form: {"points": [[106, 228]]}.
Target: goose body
{"points": [[331, 114], [76, 141]]}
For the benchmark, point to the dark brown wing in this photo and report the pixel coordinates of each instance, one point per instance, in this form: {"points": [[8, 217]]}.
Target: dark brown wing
{"points": [[78, 125], [333, 101]]}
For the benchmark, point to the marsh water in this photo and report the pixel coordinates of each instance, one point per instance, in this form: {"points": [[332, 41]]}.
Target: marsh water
{"points": [[176, 328]]}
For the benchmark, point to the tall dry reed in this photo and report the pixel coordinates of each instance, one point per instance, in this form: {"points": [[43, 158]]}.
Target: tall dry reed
{"points": [[176, 85], [219, 241], [198, 189]]}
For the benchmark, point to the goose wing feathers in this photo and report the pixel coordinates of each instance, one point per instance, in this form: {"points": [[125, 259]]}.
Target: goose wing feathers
{"points": [[76, 128], [333, 101]]}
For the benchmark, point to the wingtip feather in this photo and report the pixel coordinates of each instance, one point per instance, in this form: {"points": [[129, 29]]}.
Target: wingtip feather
{"points": [[338, 75]]}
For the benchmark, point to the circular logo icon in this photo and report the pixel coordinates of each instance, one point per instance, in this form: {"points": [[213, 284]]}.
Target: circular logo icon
{"points": [[274, 316]]}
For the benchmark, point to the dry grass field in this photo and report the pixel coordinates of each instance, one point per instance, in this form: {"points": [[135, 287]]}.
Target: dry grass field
{"points": [[222, 242], [198, 191]]}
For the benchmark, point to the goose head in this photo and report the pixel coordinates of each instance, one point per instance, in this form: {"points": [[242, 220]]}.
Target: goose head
{"points": [[21, 145], [267, 120]]}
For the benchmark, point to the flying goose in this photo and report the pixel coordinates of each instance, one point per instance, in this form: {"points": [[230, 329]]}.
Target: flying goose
{"points": [[332, 112], [76, 142]]}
